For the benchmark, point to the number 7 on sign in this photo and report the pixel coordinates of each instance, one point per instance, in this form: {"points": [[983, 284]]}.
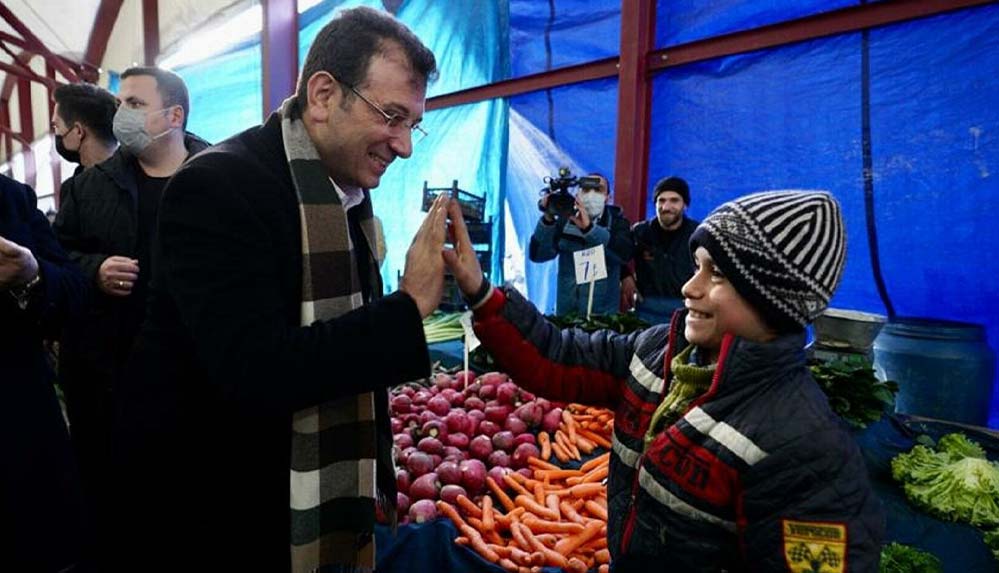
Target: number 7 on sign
{"points": [[590, 267]]}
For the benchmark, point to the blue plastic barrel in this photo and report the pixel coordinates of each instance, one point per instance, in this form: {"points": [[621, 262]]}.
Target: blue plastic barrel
{"points": [[944, 369]]}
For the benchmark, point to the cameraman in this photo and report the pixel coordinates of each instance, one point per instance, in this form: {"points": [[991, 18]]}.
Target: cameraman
{"points": [[591, 223]]}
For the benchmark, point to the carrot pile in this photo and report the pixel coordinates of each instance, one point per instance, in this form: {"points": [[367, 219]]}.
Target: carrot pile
{"points": [[558, 518], [582, 430]]}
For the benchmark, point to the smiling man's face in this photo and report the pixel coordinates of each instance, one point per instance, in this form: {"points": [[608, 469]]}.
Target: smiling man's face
{"points": [[358, 145]]}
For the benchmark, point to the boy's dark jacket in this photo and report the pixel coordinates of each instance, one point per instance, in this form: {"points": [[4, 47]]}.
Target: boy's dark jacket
{"points": [[758, 475]]}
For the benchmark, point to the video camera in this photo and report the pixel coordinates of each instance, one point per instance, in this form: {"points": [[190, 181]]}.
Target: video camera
{"points": [[561, 203]]}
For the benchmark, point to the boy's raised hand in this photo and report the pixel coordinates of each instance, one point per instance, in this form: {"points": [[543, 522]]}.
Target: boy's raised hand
{"points": [[461, 260]]}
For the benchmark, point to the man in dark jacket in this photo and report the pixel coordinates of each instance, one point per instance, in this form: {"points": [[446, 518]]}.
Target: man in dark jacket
{"points": [[39, 287], [662, 259], [106, 222], [593, 223], [254, 427], [726, 455], [82, 124]]}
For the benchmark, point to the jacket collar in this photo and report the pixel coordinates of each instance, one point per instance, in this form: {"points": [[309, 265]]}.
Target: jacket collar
{"points": [[121, 166], [744, 364]]}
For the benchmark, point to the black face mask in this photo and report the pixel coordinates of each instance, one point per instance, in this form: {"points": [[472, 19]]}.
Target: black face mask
{"points": [[67, 154]]}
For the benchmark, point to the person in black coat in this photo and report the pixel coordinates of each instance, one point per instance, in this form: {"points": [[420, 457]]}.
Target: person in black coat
{"points": [[662, 261], [106, 222], [39, 288], [726, 454], [223, 360]]}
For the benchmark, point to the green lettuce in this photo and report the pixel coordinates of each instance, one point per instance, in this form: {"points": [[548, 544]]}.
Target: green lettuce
{"points": [[898, 558], [953, 481]]}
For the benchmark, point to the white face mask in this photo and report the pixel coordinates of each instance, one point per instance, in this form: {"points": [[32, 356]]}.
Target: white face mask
{"points": [[129, 128], [593, 202]]}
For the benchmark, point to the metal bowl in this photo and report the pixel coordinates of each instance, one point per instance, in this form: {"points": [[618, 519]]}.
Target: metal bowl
{"points": [[847, 329]]}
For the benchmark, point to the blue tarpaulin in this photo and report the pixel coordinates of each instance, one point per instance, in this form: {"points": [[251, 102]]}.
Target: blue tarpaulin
{"points": [[794, 116], [791, 117]]}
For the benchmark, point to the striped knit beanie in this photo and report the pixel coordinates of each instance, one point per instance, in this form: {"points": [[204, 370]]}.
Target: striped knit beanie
{"points": [[783, 251]]}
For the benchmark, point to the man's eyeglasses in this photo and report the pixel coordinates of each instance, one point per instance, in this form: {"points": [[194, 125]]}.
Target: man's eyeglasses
{"points": [[393, 120]]}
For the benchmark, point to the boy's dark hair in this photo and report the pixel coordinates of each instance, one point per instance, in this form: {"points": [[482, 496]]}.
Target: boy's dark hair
{"points": [[91, 105], [170, 86], [345, 46]]}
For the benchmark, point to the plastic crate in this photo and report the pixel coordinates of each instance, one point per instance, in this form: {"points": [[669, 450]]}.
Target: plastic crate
{"points": [[473, 207], [452, 300], [480, 233], [485, 260]]}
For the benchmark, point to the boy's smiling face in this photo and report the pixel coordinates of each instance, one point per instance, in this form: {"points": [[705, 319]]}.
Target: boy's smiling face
{"points": [[715, 307]]}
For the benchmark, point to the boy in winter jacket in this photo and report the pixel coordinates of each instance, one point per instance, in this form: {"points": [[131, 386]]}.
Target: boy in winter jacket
{"points": [[726, 455]]}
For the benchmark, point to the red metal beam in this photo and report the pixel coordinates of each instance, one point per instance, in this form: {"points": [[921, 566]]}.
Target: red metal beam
{"points": [[100, 32], [20, 66], [27, 129], [11, 80], [151, 31], [81, 69], [35, 45], [279, 51], [8, 141], [55, 161], [19, 71], [595, 70], [25, 109], [840, 21], [634, 107], [28, 153], [843, 21]]}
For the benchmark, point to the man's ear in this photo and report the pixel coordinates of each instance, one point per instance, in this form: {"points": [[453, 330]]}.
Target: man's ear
{"points": [[175, 116], [323, 92]]}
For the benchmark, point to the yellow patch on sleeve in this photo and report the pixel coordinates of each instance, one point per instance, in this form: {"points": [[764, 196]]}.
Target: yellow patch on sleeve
{"points": [[814, 546]]}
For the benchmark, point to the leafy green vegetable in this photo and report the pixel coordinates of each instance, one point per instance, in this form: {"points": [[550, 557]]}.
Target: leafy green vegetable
{"points": [[622, 322], [898, 558], [953, 482], [959, 446], [441, 326], [854, 392], [992, 540]]}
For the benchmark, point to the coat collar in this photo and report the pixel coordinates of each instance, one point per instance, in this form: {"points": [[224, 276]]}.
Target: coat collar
{"points": [[121, 166], [744, 364]]}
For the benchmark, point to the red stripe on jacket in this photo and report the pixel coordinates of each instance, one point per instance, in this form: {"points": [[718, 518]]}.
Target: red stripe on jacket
{"points": [[697, 470], [529, 368]]}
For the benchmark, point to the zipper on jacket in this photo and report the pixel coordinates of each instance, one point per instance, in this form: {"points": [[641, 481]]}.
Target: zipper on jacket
{"points": [[629, 527]]}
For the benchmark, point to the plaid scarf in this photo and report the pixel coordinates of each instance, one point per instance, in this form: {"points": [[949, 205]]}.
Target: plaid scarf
{"points": [[341, 450]]}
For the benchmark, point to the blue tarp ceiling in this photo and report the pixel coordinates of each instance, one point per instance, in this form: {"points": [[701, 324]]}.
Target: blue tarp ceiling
{"points": [[788, 117]]}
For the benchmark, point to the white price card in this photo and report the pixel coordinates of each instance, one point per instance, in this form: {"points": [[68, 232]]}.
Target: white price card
{"points": [[471, 341], [590, 265]]}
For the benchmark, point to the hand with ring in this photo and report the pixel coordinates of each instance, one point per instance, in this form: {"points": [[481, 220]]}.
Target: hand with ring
{"points": [[117, 275]]}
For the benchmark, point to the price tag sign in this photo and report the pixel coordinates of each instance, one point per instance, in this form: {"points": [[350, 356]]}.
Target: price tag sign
{"points": [[590, 265], [471, 341]]}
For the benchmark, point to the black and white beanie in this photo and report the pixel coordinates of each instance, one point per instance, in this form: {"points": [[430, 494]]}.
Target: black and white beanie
{"points": [[783, 251]]}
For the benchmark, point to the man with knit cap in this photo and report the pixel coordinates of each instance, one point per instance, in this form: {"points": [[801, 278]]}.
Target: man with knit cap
{"points": [[726, 454], [662, 261]]}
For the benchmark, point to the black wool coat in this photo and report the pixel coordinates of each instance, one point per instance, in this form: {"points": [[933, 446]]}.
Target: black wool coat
{"points": [[98, 218], [204, 424], [39, 497]]}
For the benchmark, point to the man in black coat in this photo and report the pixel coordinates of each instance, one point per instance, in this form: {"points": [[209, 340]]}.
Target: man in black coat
{"points": [[224, 360], [39, 287], [106, 222], [662, 258], [82, 122]]}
